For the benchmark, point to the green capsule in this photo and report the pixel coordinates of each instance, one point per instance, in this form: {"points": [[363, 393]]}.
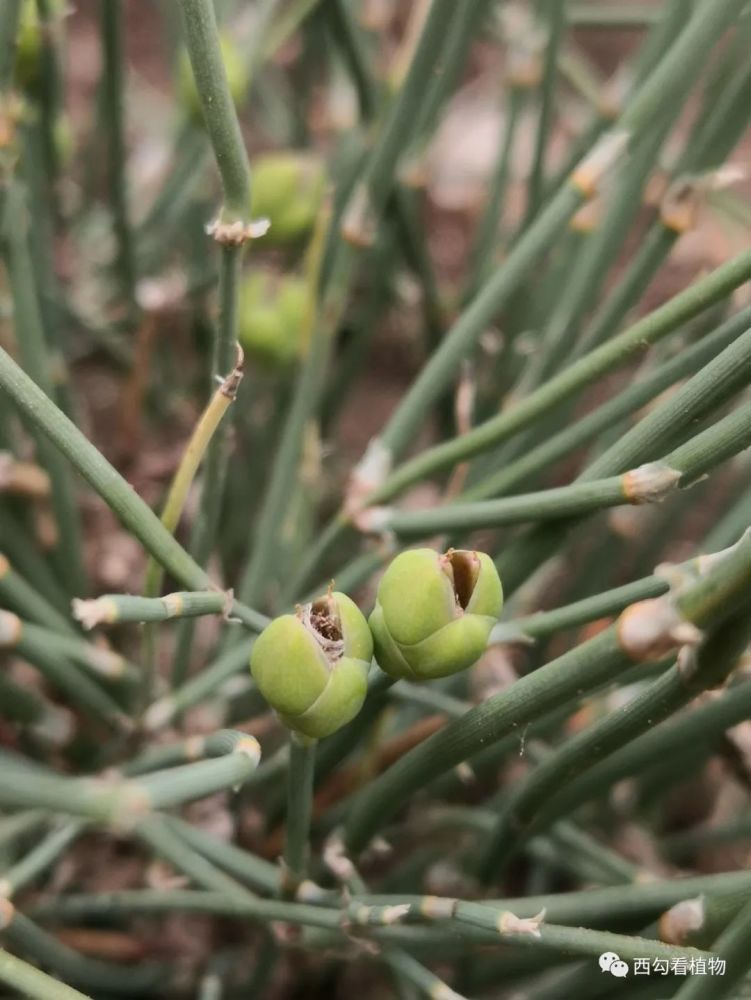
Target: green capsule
{"points": [[312, 667], [271, 317], [288, 190], [434, 612], [235, 67]]}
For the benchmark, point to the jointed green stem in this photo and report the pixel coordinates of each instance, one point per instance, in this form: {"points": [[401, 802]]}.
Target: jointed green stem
{"points": [[673, 75], [644, 388], [220, 117], [598, 362]]}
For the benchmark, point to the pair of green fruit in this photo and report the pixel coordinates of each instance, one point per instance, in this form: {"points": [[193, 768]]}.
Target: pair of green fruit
{"points": [[432, 618]]}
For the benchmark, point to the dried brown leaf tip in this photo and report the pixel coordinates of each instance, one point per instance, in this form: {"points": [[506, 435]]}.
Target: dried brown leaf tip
{"points": [[682, 920], [231, 383], [100, 611], [592, 170], [649, 483], [237, 233], [649, 630], [509, 923]]}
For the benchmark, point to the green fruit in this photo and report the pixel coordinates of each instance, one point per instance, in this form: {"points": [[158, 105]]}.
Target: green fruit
{"points": [[434, 613], [312, 667], [287, 189], [234, 66], [29, 43], [64, 139], [271, 317]]}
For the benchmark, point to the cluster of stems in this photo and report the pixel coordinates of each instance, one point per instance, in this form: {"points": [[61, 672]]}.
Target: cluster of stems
{"points": [[561, 429]]}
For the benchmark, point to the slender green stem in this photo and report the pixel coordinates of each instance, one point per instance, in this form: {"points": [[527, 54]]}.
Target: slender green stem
{"points": [[99, 660], [555, 12], [318, 336], [670, 79], [636, 904], [41, 857], [588, 369], [79, 687], [531, 800], [593, 15], [485, 922], [111, 609], [448, 65], [119, 496], [425, 981], [299, 811], [9, 18], [76, 907], [705, 391], [732, 949], [29, 562], [208, 426], [529, 698], [97, 976], [701, 727], [646, 387], [579, 498], [204, 685], [486, 236], [112, 86], [33, 983], [118, 801], [220, 117], [20, 705], [601, 249], [370, 196], [648, 483], [546, 623], [28, 602], [259, 874], [30, 338], [157, 833]]}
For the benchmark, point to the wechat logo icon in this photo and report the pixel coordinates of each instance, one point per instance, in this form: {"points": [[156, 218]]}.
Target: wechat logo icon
{"points": [[610, 962]]}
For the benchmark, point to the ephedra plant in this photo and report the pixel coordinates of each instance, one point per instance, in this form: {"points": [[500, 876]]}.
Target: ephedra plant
{"points": [[374, 569]]}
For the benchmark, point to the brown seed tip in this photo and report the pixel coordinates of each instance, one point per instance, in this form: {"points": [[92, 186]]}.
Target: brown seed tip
{"points": [[678, 923], [649, 630], [649, 483]]}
